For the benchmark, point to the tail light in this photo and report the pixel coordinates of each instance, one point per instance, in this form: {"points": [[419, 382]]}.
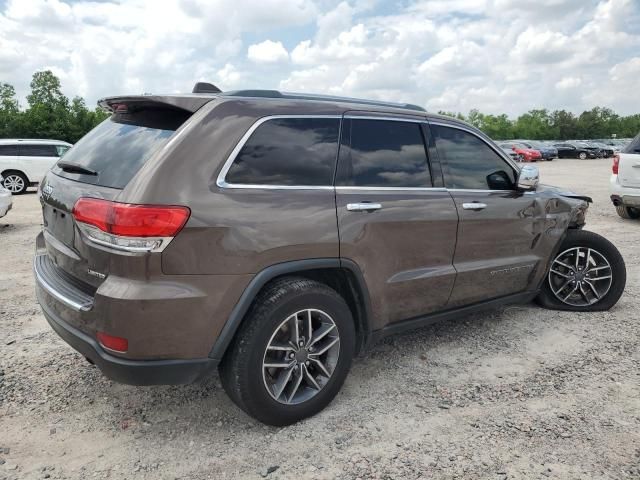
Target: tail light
{"points": [[616, 164], [129, 227]]}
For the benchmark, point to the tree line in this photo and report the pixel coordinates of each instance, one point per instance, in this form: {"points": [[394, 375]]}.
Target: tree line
{"points": [[50, 114], [543, 124]]}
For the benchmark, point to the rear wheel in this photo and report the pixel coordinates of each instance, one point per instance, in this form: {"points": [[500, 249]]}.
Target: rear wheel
{"points": [[15, 182], [292, 353], [588, 274], [628, 212]]}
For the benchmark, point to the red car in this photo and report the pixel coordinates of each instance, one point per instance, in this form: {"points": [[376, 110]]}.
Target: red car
{"points": [[525, 154]]}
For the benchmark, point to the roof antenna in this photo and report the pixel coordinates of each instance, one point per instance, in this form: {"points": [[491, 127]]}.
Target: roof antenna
{"points": [[204, 87]]}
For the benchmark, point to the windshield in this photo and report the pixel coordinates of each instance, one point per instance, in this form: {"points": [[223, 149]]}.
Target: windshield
{"points": [[117, 148]]}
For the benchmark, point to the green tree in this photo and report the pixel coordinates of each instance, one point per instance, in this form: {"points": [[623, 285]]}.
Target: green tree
{"points": [[9, 111]]}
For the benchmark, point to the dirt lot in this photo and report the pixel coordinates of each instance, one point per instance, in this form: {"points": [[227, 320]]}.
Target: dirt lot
{"points": [[517, 393]]}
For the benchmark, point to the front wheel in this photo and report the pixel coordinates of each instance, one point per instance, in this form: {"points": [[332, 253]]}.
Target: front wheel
{"points": [[582, 156], [588, 274], [292, 353]]}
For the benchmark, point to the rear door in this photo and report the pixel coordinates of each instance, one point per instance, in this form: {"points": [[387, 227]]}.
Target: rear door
{"points": [[629, 174], [395, 220], [498, 246], [36, 159]]}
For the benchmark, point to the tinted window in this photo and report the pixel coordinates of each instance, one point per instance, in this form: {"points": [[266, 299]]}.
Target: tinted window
{"points": [[118, 147], [470, 162], [288, 151], [385, 154], [38, 151], [9, 150]]}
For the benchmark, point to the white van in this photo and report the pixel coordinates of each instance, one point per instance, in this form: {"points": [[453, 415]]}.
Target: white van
{"points": [[25, 162]]}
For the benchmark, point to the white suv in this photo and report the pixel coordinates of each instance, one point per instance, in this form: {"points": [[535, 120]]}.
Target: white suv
{"points": [[5, 199], [25, 162], [625, 181]]}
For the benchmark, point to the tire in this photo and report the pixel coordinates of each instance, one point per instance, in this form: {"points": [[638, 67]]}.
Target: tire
{"points": [[254, 388], [520, 158], [16, 182], [582, 156], [594, 251], [628, 212]]}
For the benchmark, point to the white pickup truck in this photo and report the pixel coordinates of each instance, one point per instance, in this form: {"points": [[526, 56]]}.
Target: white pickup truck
{"points": [[625, 180]]}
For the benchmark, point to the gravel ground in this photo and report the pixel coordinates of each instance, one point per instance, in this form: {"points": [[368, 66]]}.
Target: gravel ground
{"points": [[516, 393]]}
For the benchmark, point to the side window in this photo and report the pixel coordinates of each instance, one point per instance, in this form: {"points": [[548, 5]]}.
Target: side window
{"points": [[61, 150], [384, 153], [8, 150], [288, 151], [470, 162], [38, 151]]}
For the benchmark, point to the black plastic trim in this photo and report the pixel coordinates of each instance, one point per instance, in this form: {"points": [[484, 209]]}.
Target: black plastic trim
{"points": [[261, 279], [132, 372], [423, 321]]}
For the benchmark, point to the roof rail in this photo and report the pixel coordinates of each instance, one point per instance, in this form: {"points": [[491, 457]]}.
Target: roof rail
{"points": [[318, 98]]}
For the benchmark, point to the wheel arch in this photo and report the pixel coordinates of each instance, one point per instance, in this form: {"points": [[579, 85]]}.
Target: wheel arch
{"points": [[342, 275]]}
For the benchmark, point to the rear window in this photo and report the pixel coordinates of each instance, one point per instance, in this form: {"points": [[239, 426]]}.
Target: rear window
{"points": [[634, 146], [117, 148]]}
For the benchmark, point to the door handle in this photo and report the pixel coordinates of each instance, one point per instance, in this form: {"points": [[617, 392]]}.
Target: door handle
{"points": [[363, 207], [474, 206]]}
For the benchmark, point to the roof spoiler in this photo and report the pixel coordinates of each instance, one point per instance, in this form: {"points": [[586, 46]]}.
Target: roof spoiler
{"points": [[204, 87]]}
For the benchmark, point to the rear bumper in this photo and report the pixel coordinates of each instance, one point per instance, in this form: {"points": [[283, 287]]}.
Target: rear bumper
{"points": [[627, 196], [132, 372]]}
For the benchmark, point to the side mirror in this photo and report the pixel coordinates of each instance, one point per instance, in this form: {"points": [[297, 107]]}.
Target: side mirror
{"points": [[528, 178]]}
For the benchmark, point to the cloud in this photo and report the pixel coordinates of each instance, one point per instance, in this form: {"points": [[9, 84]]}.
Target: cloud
{"points": [[268, 52], [494, 55]]}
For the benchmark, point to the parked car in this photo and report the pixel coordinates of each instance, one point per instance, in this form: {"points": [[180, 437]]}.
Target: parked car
{"points": [[525, 154], [6, 202], [276, 235], [625, 180], [23, 163], [547, 152], [512, 153], [573, 150], [606, 151]]}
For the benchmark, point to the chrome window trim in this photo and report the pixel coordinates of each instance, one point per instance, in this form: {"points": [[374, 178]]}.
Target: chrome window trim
{"points": [[221, 180], [475, 134]]}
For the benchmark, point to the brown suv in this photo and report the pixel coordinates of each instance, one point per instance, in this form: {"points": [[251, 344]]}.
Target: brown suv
{"points": [[276, 235]]}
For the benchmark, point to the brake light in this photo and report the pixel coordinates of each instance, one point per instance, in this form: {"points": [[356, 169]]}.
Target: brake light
{"points": [[127, 226], [111, 342], [616, 164]]}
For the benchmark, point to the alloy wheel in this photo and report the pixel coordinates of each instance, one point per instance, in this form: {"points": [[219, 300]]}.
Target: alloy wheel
{"points": [[580, 276], [301, 356], [14, 183]]}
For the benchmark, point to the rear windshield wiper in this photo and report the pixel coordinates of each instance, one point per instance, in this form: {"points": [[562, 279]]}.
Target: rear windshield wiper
{"points": [[75, 168]]}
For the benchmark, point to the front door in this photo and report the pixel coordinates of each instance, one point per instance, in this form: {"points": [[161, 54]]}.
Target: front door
{"points": [[500, 240], [393, 222]]}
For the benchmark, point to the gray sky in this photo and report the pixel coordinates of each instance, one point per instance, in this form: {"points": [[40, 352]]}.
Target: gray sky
{"points": [[495, 55]]}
